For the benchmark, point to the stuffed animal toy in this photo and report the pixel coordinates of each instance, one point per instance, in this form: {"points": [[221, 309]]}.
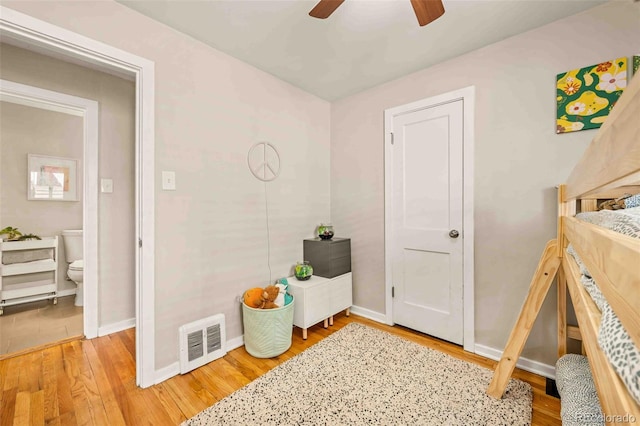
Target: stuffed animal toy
{"points": [[253, 297], [627, 201], [617, 204], [282, 290], [269, 296], [284, 298]]}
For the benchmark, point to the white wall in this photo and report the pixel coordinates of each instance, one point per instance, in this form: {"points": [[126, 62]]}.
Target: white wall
{"points": [[518, 161], [210, 109], [116, 103]]}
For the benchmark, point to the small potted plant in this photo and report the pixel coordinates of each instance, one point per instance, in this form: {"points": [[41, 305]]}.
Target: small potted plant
{"points": [[11, 233], [325, 231], [303, 270]]}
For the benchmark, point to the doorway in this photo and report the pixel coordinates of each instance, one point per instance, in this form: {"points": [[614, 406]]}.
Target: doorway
{"points": [[429, 216], [76, 122], [59, 42]]}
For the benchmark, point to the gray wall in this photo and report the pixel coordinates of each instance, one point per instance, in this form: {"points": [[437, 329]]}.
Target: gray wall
{"points": [[211, 241], [115, 96], [518, 161], [28, 130]]}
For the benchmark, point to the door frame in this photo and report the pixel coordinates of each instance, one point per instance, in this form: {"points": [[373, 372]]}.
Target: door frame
{"points": [[59, 42], [467, 95], [87, 109]]}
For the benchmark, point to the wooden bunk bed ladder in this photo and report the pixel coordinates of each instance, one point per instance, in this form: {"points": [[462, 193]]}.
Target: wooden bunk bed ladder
{"points": [[540, 284]]}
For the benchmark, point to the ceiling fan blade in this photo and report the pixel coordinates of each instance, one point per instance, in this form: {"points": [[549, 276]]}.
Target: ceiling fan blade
{"points": [[427, 10], [325, 8]]}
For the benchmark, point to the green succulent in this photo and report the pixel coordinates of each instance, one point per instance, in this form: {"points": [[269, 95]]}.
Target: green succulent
{"points": [[11, 232]]}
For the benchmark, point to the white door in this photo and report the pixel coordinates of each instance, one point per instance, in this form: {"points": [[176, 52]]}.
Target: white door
{"points": [[427, 218]]}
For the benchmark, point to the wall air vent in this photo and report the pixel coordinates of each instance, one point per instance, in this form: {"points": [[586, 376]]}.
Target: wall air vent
{"points": [[201, 342]]}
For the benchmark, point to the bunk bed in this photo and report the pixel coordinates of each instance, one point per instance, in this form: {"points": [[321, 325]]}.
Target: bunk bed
{"points": [[609, 168]]}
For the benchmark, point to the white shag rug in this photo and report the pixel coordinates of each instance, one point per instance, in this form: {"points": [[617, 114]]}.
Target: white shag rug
{"points": [[363, 376]]}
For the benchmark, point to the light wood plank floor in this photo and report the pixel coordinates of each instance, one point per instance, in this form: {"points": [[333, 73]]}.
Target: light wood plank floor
{"points": [[93, 381]]}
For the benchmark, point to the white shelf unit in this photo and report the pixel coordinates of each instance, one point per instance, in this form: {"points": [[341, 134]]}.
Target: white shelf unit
{"points": [[29, 291], [318, 299]]}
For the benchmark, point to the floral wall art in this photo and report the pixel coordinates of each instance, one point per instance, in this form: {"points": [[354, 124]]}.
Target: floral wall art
{"points": [[585, 96]]}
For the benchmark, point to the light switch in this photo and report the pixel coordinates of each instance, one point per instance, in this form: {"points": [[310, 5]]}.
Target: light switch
{"points": [[106, 185], [168, 181]]}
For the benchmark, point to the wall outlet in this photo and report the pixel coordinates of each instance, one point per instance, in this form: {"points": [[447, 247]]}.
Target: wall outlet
{"points": [[106, 185], [169, 181]]}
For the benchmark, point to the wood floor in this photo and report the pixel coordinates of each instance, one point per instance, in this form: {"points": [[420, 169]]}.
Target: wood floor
{"points": [[93, 381]]}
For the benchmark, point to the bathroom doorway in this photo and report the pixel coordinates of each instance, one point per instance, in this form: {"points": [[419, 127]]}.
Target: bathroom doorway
{"points": [[61, 129], [56, 41]]}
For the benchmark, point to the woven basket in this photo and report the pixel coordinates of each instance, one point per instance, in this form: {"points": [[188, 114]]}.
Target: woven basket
{"points": [[267, 332]]}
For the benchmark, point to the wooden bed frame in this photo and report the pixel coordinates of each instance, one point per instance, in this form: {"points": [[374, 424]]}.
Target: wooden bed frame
{"points": [[609, 168]]}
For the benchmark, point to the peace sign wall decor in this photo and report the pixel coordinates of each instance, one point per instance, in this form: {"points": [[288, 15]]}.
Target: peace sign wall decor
{"points": [[264, 161]]}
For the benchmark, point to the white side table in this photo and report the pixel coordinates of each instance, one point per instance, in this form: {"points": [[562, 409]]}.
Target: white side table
{"points": [[318, 299]]}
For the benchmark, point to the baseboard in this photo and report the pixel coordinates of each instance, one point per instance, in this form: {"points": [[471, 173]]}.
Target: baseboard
{"points": [[116, 327], [174, 369], [67, 292], [235, 343], [526, 364], [368, 313], [167, 372]]}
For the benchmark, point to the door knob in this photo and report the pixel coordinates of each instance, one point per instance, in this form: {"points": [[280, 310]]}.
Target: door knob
{"points": [[454, 233]]}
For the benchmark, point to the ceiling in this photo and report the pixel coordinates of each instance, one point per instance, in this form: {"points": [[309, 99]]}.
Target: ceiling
{"points": [[363, 44]]}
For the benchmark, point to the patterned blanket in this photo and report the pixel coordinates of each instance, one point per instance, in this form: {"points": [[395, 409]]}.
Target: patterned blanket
{"points": [[613, 339]]}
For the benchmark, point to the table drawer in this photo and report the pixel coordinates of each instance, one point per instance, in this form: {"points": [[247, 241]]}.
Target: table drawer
{"points": [[341, 293], [317, 299]]}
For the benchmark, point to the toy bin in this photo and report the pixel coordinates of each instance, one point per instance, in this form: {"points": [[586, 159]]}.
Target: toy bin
{"points": [[267, 332]]}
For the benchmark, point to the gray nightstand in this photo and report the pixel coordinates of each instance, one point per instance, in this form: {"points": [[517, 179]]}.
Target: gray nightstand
{"points": [[329, 258]]}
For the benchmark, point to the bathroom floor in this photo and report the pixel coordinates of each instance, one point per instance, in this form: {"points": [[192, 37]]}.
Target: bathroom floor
{"points": [[38, 323]]}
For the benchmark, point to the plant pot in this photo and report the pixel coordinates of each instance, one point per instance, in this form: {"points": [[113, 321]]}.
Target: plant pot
{"points": [[303, 271]]}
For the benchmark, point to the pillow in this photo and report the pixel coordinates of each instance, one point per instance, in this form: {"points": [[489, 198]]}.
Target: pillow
{"points": [[633, 201]]}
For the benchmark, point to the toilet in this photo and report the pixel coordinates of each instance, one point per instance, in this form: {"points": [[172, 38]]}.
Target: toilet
{"points": [[72, 239]]}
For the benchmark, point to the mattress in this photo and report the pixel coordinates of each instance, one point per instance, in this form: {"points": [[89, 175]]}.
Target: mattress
{"points": [[613, 339]]}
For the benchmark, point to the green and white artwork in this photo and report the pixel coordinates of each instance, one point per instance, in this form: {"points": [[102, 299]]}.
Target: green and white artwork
{"points": [[585, 96]]}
